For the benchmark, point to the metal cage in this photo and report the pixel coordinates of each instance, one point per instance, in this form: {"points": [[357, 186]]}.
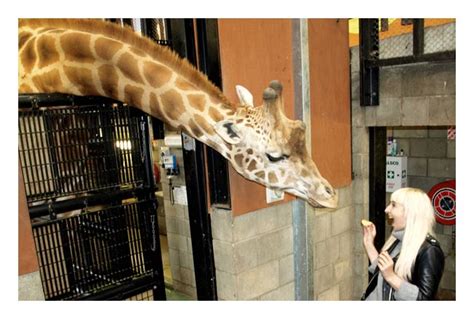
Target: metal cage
{"points": [[86, 165], [73, 150]]}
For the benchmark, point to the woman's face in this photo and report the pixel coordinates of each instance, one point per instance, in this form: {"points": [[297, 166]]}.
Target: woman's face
{"points": [[396, 212]]}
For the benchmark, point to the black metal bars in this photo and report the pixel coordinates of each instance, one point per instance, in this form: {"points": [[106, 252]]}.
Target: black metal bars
{"points": [[182, 36], [368, 56], [89, 183]]}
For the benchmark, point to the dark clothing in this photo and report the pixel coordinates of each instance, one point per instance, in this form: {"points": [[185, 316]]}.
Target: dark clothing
{"points": [[426, 275], [429, 266]]}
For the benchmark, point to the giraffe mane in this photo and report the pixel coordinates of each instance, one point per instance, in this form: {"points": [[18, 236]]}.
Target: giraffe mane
{"points": [[129, 36]]}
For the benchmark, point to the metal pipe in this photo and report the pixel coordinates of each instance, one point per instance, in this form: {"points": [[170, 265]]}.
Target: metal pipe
{"points": [[58, 99], [81, 202], [302, 241]]}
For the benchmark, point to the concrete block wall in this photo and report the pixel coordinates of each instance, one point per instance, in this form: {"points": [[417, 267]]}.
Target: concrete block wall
{"points": [[178, 232], [253, 254], [30, 287], [417, 102], [333, 246]]}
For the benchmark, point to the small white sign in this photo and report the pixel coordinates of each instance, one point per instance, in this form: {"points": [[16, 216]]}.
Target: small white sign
{"points": [[274, 195], [396, 173], [179, 195]]}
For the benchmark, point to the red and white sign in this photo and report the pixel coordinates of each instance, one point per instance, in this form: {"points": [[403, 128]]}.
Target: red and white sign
{"points": [[452, 133], [443, 198]]}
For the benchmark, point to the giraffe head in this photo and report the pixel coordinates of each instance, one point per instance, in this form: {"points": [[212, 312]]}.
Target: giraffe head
{"points": [[270, 149]]}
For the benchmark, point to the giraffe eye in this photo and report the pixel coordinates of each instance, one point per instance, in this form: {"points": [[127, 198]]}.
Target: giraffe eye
{"points": [[274, 159]]}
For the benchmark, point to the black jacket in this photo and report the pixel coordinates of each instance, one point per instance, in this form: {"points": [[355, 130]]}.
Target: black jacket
{"points": [[427, 272]]}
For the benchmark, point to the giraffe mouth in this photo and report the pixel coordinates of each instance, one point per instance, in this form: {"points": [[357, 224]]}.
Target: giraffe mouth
{"points": [[316, 202]]}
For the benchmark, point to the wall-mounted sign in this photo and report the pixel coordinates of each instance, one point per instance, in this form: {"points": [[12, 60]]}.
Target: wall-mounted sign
{"points": [[443, 197]]}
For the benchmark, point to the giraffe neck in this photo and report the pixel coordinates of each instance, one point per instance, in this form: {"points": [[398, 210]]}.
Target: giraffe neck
{"points": [[98, 58]]}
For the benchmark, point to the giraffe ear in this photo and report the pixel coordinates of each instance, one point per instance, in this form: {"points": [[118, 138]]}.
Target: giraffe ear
{"points": [[228, 131], [245, 97]]}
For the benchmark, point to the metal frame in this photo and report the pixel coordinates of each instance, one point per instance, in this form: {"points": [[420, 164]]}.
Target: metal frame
{"points": [[370, 62], [83, 248], [301, 218], [209, 63], [377, 162], [368, 58], [182, 36]]}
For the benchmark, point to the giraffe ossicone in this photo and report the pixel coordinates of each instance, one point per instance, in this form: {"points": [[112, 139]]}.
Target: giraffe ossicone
{"points": [[86, 57]]}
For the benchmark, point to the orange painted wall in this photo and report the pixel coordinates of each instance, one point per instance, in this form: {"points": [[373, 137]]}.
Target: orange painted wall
{"points": [[254, 52], [330, 99], [27, 260]]}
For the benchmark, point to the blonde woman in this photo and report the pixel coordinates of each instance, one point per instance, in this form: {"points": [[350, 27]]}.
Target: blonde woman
{"points": [[411, 262]]}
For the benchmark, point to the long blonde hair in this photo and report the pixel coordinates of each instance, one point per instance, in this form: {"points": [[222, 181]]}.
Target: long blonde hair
{"points": [[419, 215]]}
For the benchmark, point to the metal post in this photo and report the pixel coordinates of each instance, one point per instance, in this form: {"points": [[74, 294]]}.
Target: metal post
{"points": [[377, 159], [368, 58], [418, 37], [182, 39], [302, 236]]}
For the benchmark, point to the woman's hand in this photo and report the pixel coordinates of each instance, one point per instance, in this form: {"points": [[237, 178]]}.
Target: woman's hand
{"points": [[369, 233], [385, 264]]}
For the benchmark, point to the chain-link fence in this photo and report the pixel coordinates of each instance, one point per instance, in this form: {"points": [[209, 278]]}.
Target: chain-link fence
{"points": [[440, 38], [397, 37]]}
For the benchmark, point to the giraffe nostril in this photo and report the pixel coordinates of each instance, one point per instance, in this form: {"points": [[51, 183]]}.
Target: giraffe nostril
{"points": [[328, 190]]}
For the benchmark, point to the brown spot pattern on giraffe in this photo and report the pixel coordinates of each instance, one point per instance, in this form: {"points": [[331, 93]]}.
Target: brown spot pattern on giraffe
{"points": [[184, 85], [28, 58], [22, 38], [197, 101], [82, 78], [260, 174], [47, 53], [155, 107], [297, 142], [195, 130], [156, 75], [48, 82], [215, 114], [128, 64], [106, 48], [109, 80], [172, 104], [272, 178], [204, 124], [304, 172], [138, 52], [238, 159], [76, 47], [252, 166], [133, 95]]}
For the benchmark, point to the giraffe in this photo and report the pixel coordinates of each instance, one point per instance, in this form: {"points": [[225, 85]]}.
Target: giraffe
{"points": [[93, 57]]}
